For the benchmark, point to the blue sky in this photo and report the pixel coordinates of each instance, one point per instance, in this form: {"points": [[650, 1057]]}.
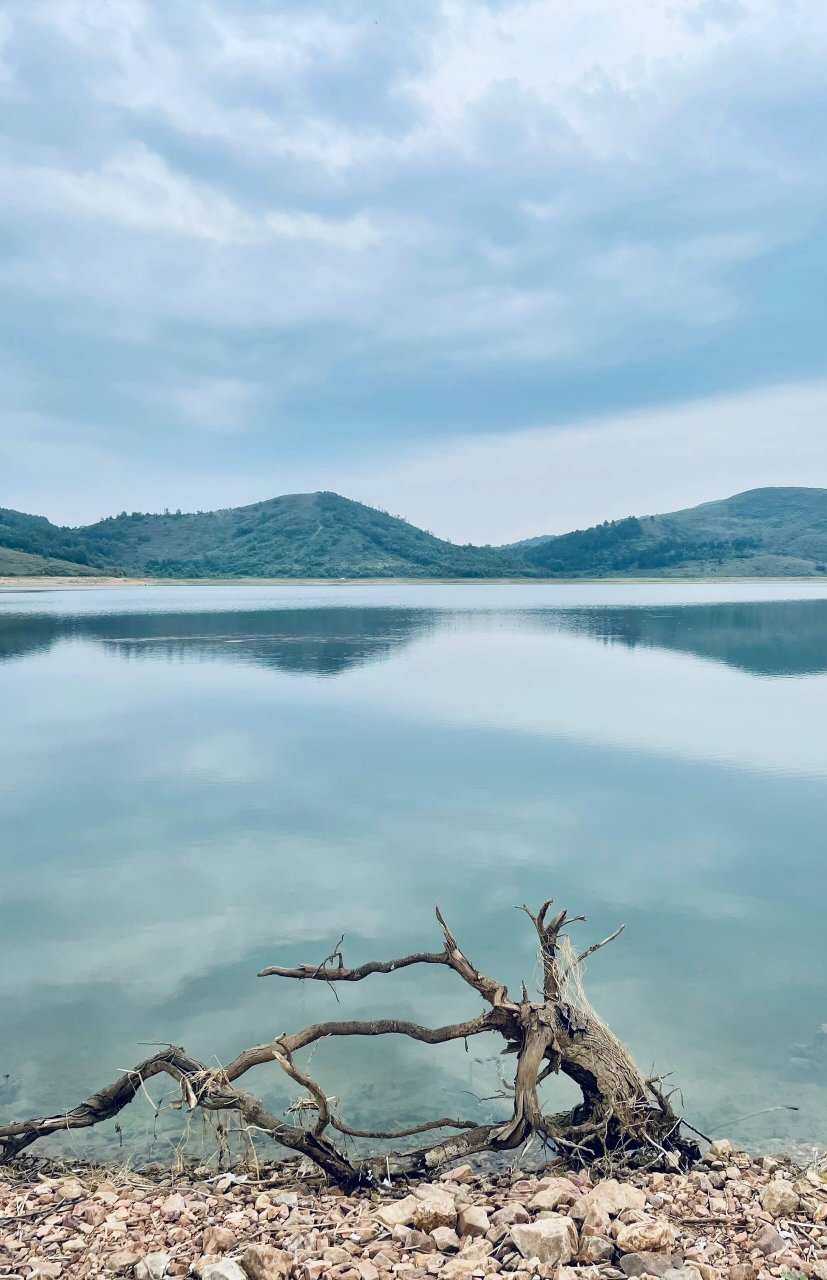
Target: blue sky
{"points": [[503, 266]]}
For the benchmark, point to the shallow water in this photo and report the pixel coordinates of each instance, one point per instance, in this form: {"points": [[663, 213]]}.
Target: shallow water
{"points": [[196, 782]]}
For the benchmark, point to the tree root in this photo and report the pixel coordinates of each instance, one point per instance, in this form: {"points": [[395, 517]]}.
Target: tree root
{"points": [[623, 1120]]}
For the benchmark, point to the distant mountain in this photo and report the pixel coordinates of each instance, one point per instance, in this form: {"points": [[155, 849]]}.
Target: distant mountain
{"points": [[316, 535], [763, 532]]}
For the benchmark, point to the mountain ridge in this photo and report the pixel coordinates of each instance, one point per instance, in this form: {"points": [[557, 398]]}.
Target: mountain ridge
{"points": [[772, 531]]}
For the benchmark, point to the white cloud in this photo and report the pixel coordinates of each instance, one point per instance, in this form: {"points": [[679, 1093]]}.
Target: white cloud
{"points": [[600, 78], [137, 190], [519, 484]]}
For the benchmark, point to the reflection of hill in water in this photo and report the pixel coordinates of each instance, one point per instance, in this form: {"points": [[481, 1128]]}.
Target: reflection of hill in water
{"points": [[766, 638], [776, 638], [321, 642]]}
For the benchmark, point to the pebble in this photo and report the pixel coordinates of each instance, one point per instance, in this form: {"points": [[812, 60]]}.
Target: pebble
{"points": [[479, 1224]]}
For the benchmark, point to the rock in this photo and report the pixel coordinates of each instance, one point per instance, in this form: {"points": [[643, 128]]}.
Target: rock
{"points": [[704, 1270], [437, 1210], [779, 1199], [820, 1270], [510, 1213], [651, 1235], [122, 1260], [462, 1173], [445, 1239], [552, 1240], [70, 1189], [173, 1207], [742, 1271], [222, 1269], [337, 1257], [263, 1262], [472, 1258], [613, 1197], [720, 1150], [580, 1273], [596, 1221], [768, 1240], [397, 1212], [650, 1264], [430, 1191], [152, 1267], [472, 1221], [218, 1240], [367, 1270], [411, 1238], [595, 1248], [554, 1192]]}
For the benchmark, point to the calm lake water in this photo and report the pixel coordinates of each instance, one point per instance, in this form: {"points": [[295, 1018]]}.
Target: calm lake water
{"points": [[196, 782]]}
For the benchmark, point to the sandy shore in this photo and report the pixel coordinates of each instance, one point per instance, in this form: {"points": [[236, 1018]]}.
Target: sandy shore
{"points": [[46, 583], [732, 1218]]}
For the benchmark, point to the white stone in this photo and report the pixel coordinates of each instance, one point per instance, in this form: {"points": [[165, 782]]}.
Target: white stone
{"points": [[779, 1199], [474, 1257], [613, 1196], [225, 1269], [397, 1212], [472, 1221], [436, 1210], [552, 1240], [152, 1267], [650, 1235]]}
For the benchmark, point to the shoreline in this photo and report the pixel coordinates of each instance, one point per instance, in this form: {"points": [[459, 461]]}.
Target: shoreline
{"points": [[47, 582], [732, 1217]]}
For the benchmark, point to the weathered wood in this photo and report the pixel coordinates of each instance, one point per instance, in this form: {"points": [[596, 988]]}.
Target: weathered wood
{"points": [[623, 1119]]}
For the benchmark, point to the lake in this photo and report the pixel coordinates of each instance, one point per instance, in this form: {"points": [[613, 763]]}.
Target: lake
{"points": [[199, 781]]}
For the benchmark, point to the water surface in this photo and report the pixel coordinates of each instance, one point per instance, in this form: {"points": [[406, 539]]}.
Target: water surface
{"points": [[196, 782]]}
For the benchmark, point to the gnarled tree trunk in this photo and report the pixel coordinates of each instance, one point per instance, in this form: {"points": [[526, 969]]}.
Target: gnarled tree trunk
{"points": [[622, 1120]]}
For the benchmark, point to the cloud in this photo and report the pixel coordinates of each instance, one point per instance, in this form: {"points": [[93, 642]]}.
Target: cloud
{"points": [[136, 190], [511, 485], [405, 226]]}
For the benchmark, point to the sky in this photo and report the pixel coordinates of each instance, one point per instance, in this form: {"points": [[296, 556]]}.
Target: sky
{"points": [[504, 267]]}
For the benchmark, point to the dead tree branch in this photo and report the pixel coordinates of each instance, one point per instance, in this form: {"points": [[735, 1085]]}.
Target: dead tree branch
{"points": [[621, 1120]]}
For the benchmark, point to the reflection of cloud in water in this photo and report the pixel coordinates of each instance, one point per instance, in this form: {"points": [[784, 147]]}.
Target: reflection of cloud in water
{"points": [[197, 824]]}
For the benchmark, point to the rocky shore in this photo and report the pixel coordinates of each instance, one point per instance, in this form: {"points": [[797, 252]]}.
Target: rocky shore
{"points": [[732, 1218]]}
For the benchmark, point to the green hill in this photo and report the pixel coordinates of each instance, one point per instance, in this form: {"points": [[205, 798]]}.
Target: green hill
{"points": [[322, 535], [31, 545], [20, 564], [763, 532], [318, 535]]}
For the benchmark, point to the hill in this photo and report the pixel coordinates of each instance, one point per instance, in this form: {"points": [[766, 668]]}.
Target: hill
{"points": [[318, 535], [763, 532], [32, 546]]}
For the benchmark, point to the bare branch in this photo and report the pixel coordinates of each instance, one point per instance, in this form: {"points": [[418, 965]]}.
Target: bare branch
{"points": [[597, 945], [623, 1118], [493, 992], [443, 1123], [341, 974]]}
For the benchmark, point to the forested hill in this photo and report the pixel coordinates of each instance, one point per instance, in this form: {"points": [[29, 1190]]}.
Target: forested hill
{"points": [[315, 535], [321, 535], [763, 532]]}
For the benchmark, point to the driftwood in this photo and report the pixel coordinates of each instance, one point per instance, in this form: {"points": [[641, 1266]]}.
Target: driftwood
{"points": [[623, 1119]]}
